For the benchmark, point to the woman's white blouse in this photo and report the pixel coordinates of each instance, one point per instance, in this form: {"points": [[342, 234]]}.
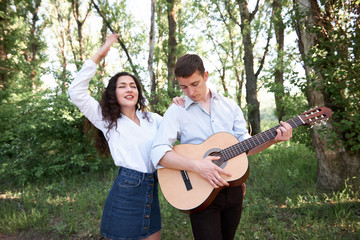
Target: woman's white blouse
{"points": [[129, 144]]}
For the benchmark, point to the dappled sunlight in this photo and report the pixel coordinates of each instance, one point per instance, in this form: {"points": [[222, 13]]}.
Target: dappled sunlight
{"points": [[54, 200], [7, 196], [60, 200], [303, 201]]}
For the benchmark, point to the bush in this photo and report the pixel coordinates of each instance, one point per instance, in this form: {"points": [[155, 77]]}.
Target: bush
{"points": [[44, 139]]}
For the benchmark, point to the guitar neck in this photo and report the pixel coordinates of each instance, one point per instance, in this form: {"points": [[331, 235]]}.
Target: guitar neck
{"points": [[256, 140]]}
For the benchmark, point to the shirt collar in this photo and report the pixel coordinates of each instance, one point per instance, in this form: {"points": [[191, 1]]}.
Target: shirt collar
{"points": [[189, 101]]}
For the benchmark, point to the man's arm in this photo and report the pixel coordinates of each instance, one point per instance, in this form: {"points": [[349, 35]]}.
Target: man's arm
{"points": [[205, 167]]}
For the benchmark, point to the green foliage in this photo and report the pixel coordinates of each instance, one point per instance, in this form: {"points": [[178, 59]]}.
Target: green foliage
{"points": [[340, 85], [44, 139], [21, 47], [294, 105], [336, 56], [163, 100]]}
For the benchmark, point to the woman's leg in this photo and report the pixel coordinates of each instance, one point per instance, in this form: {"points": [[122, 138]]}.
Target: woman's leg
{"points": [[155, 236]]}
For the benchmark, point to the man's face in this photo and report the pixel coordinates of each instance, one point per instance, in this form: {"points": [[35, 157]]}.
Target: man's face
{"points": [[194, 86]]}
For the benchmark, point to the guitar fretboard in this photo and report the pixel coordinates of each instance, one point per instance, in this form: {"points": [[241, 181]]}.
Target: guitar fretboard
{"points": [[256, 140]]}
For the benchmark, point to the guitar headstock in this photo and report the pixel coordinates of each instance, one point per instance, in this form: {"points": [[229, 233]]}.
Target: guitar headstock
{"points": [[316, 115]]}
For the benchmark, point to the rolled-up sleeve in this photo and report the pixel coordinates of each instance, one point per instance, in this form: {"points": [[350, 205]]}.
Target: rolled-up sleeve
{"points": [[167, 134], [240, 130]]}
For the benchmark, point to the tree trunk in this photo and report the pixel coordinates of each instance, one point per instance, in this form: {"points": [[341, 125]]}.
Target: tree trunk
{"points": [[61, 33], [232, 50], [279, 91], [34, 45], [335, 165], [3, 53], [172, 48], [80, 24], [251, 78], [239, 85], [153, 97], [222, 74], [102, 62]]}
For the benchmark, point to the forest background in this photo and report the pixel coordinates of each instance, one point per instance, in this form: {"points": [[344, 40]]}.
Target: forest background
{"points": [[300, 54]]}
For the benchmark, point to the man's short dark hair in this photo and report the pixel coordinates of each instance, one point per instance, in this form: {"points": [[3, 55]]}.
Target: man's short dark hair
{"points": [[187, 64]]}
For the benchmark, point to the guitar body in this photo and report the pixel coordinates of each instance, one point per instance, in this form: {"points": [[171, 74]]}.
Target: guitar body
{"points": [[201, 193]]}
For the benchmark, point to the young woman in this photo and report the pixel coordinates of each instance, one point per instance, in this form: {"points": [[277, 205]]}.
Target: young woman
{"points": [[131, 209]]}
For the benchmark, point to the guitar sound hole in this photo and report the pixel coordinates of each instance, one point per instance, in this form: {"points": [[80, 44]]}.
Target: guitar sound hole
{"points": [[220, 162]]}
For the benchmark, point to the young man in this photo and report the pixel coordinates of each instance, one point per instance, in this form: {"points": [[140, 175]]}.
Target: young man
{"points": [[204, 113]]}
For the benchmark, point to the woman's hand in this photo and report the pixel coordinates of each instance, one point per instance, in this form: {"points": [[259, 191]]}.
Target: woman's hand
{"points": [[103, 51], [180, 101]]}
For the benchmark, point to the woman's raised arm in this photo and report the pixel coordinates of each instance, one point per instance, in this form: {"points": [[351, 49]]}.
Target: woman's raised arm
{"points": [[102, 52]]}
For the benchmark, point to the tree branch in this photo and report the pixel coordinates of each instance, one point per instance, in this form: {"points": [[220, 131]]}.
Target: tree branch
{"points": [[265, 53], [228, 9], [253, 13], [121, 43]]}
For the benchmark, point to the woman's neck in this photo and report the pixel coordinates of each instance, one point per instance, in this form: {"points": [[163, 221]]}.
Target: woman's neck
{"points": [[131, 114]]}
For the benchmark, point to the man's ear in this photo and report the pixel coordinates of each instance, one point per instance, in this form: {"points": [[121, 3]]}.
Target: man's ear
{"points": [[206, 75]]}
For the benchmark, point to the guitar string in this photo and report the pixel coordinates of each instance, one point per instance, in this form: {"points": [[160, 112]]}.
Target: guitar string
{"points": [[233, 151]]}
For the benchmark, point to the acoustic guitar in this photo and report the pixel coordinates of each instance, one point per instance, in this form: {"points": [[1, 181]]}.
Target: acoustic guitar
{"points": [[190, 193]]}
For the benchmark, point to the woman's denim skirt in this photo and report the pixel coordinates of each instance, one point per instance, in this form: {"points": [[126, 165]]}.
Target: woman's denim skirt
{"points": [[131, 209]]}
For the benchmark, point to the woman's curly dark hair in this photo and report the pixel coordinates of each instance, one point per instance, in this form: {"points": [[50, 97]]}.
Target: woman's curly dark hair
{"points": [[111, 111]]}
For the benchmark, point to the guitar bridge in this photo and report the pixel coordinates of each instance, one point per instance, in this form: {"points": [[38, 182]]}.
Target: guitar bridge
{"points": [[186, 179]]}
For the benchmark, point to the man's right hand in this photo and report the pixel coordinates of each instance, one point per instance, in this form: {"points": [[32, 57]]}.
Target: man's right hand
{"points": [[211, 172], [204, 167]]}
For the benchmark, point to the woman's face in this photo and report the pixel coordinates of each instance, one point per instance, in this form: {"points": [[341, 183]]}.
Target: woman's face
{"points": [[127, 93]]}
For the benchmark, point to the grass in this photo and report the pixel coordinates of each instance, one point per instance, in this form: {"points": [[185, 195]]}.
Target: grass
{"points": [[281, 202]]}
